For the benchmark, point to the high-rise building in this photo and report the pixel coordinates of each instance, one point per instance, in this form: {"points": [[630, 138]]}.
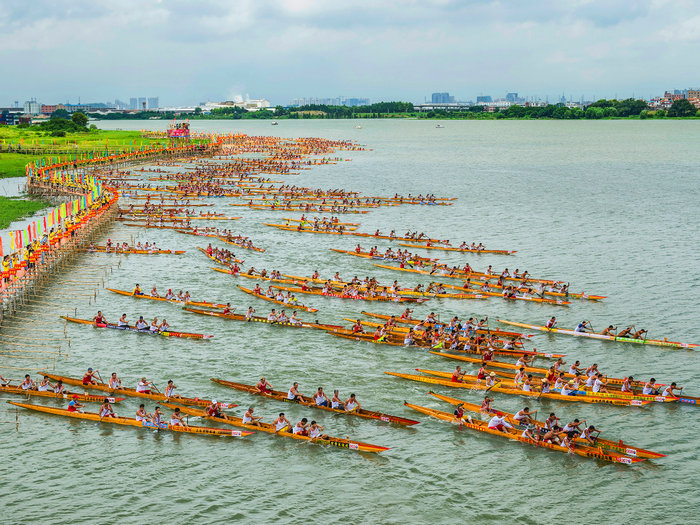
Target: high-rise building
{"points": [[133, 103], [32, 107], [152, 102], [142, 104], [511, 97], [441, 98], [483, 99]]}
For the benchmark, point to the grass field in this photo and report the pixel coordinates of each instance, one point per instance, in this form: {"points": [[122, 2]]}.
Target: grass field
{"points": [[12, 208], [37, 144]]}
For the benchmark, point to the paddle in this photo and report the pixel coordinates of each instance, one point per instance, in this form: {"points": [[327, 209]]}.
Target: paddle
{"points": [[97, 373], [157, 389], [495, 384]]}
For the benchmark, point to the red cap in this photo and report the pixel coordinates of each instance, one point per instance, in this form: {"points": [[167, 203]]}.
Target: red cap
{"points": [[75, 396]]}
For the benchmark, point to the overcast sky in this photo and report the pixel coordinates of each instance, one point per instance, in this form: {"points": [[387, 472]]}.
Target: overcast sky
{"points": [[187, 51]]}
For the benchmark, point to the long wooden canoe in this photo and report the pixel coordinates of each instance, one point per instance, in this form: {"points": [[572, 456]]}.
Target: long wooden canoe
{"points": [[255, 319], [92, 416], [65, 395], [163, 299], [601, 337], [451, 249], [513, 391], [292, 306], [270, 429], [169, 333], [131, 392], [309, 402], [617, 446], [482, 426]]}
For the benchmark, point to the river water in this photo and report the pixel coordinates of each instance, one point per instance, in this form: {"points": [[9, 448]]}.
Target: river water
{"points": [[610, 206]]}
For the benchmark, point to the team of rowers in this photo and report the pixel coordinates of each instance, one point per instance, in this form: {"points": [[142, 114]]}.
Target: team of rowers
{"points": [[124, 247], [551, 431], [274, 316], [280, 296], [169, 295], [585, 380], [222, 255], [585, 327], [141, 324], [402, 256]]}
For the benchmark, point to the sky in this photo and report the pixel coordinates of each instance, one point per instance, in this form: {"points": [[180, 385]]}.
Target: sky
{"points": [[187, 51]]}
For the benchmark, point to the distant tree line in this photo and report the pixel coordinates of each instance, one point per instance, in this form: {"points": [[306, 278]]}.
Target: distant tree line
{"points": [[601, 109]]}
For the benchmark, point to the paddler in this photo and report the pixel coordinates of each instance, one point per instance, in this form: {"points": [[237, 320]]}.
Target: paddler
{"points": [[122, 321], [587, 434], [144, 386], [28, 384], [567, 389], [574, 426], [227, 309], [293, 394], [532, 432], [609, 331], [88, 378], [106, 410], [457, 375], [154, 292], [525, 361], [491, 379], [486, 405], [164, 326], [315, 431], [137, 290], [177, 419], [498, 422], [99, 319], [599, 385], [74, 406], [141, 324], [213, 410], [170, 391], [627, 385], [321, 398], [524, 416], [142, 415], [155, 327], [352, 404], [459, 415], [170, 295], [625, 332], [45, 385], [574, 369], [263, 386], [249, 313], [300, 428], [583, 327], [640, 334], [668, 391], [157, 416], [114, 382], [552, 323], [336, 402]]}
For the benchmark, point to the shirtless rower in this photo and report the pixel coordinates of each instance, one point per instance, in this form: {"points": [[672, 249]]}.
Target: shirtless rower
{"points": [[626, 332], [609, 331], [640, 334]]}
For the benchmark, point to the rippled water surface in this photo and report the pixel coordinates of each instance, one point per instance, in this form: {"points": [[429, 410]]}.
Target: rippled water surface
{"points": [[610, 206]]}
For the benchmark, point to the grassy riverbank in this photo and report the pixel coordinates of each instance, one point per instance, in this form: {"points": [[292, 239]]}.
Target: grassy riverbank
{"points": [[20, 146], [13, 208]]}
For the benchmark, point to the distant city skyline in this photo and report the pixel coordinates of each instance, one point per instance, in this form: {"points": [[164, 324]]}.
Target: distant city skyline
{"points": [[390, 50]]}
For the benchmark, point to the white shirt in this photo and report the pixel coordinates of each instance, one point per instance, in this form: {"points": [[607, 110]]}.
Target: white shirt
{"points": [[499, 420], [142, 387]]}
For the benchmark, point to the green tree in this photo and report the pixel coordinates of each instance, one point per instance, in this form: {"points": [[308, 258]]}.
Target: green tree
{"points": [[610, 112], [79, 119], [681, 108], [198, 111], [594, 112], [60, 113]]}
